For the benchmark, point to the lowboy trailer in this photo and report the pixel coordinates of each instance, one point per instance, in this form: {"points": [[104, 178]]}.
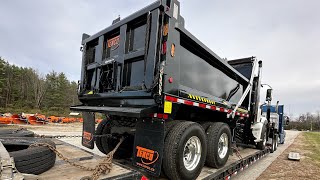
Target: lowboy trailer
{"points": [[179, 105], [123, 170]]}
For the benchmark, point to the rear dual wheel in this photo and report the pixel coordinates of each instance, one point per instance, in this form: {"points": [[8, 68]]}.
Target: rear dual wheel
{"points": [[187, 148], [185, 151], [219, 144]]}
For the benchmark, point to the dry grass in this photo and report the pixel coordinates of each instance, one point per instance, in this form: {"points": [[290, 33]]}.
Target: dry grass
{"points": [[313, 140], [307, 144]]}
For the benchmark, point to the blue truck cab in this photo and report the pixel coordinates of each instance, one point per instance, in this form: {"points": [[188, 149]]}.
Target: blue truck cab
{"points": [[277, 117]]}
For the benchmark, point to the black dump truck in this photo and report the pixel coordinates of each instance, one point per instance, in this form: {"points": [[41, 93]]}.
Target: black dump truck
{"points": [[178, 104]]}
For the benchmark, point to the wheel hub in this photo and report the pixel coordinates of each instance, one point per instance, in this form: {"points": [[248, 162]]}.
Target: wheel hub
{"points": [[223, 145], [192, 153]]}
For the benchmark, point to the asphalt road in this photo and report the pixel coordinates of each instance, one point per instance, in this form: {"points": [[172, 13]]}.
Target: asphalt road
{"points": [[254, 171]]}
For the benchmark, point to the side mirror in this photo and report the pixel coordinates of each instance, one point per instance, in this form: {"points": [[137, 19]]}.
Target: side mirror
{"points": [[269, 97]]}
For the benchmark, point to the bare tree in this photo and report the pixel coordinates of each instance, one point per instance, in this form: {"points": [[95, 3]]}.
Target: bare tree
{"points": [[39, 88]]}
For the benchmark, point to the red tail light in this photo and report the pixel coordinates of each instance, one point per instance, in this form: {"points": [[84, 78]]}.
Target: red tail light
{"points": [[164, 48], [144, 178]]}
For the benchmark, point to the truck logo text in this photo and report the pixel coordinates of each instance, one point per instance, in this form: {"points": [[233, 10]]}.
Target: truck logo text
{"points": [[113, 43], [87, 136], [147, 156]]}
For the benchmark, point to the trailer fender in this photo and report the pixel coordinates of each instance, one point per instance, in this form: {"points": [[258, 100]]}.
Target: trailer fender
{"points": [[148, 146]]}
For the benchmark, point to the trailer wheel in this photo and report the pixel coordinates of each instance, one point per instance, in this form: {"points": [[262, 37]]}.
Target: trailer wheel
{"points": [[262, 144], [219, 144], [99, 130], [185, 151]]}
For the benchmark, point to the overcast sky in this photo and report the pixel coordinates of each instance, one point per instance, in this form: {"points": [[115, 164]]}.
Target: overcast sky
{"points": [[285, 34]]}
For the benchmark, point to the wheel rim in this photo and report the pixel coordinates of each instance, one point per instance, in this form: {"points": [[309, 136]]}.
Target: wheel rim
{"points": [[223, 145], [192, 153]]}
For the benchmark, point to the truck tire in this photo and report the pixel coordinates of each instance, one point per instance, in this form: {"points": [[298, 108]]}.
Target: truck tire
{"points": [[180, 159], [30, 160], [109, 143], [262, 144], [99, 130], [219, 144], [168, 126], [206, 125]]}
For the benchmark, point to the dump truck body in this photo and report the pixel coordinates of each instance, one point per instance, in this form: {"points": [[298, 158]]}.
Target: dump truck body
{"points": [[137, 59]]}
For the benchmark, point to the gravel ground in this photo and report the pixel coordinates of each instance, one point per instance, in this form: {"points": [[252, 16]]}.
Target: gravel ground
{"points": [[254, 171]]}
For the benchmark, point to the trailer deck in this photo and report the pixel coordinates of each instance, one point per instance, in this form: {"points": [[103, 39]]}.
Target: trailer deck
{"points": [[123, 169], [63, 170]]}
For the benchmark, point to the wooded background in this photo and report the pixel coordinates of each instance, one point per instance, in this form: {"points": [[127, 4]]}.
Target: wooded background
{"points": [[307, 121], [23, 89]]}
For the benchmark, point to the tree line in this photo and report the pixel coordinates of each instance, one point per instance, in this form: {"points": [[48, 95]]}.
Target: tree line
{"points": [[24, 89], [305, 122]]}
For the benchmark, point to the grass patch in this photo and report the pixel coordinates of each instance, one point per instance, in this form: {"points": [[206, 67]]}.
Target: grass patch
{"points": [[313, 140]]}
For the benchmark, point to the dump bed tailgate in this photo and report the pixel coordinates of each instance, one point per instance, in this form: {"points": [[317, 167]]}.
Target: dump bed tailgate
{"points": [[122, 58]]}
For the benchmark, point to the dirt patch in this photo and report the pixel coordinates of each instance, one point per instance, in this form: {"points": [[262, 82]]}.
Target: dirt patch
{"points": [[306, 168]]}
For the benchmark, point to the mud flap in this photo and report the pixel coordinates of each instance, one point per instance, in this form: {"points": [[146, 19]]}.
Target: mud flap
{"points": [[88, 129], [148, 146]]}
